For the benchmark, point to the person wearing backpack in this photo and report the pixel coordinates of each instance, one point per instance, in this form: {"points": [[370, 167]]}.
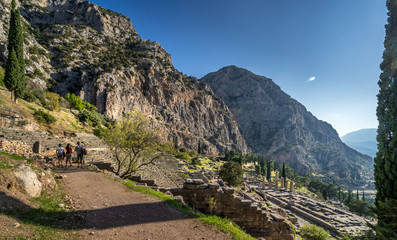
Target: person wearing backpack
{"points": [[80, 150], [69, 151], [60, 155]]}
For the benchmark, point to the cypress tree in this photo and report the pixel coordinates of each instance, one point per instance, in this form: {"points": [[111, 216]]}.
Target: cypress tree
{"points": [[12, 71], [385, 170], [14, 78], [357, 195], [363, 197], [199, 147], [283, 172]]}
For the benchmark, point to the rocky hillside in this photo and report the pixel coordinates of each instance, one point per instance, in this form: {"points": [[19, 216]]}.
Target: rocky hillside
{"points": [[281, 128], [74, 46]]}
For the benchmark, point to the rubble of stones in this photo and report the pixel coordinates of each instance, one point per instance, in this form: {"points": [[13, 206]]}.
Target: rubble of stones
{"points": [[331, 217]]}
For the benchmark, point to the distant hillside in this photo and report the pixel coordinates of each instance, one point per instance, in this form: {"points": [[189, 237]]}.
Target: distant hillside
{"points": [[363, 140], [280, 128]]}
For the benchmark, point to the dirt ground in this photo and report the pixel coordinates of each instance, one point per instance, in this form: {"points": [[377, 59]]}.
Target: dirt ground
{"points": [[109, 210]]}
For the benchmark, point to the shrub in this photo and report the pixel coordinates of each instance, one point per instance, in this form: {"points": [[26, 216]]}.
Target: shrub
{"points": [[312, 232], [232, 173], [108, 122], [52, 101], [29, 96], [184, 156], [89, 117], [43, 117], [38, 73], [196, 161], [77, 103], [39, 94]]}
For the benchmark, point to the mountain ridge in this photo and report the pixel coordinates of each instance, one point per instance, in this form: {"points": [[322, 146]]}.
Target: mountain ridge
{"points": [[363, 140], [281, 128]]}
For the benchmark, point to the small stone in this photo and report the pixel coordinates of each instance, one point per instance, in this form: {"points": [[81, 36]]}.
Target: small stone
{"points": [[91, 233], [61, 205], [17, 225]]}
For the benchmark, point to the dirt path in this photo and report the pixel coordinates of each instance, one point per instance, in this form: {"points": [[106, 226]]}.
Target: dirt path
{"points": [[112, 211]]}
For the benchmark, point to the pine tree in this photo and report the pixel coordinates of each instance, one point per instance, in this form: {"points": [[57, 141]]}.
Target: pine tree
{"points": [[386, 158], [357, 197], [14, 78]]}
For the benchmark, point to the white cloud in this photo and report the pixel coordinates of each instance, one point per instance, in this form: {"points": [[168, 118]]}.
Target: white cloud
{"points": [[311, 79]]}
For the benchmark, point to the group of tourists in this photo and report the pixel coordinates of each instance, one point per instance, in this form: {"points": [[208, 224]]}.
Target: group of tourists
{"points": [[67, 152]]}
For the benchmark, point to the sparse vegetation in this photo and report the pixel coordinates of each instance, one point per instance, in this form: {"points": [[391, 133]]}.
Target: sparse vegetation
{"points": [[312, 232]]}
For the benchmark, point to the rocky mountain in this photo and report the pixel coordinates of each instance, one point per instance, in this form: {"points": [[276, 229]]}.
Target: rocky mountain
{"points": [[280, 128], [363, 140], [74, 46]]}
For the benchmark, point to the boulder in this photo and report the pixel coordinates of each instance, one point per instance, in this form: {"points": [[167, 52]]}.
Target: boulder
{"points": [[27, 180]]}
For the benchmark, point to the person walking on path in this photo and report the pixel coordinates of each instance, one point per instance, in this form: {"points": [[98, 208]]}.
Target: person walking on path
{"points": [[69, 151], [60, 155], [80, 154]]}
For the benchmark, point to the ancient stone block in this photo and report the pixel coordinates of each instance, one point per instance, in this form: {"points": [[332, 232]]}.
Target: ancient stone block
{"points": [[36, 147]]}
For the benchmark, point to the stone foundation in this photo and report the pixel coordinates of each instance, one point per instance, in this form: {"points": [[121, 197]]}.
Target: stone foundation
{"points": [[248, 214]]}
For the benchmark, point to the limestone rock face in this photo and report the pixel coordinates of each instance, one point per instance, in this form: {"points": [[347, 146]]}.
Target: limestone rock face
{"points": [[27, 180], [281, 128], [78, 47]]}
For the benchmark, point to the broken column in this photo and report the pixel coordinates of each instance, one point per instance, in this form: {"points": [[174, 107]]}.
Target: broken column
{"points": [[36, 147], [291, 187], [286, 184], [263, 183], [276, 181], [282, 182]]}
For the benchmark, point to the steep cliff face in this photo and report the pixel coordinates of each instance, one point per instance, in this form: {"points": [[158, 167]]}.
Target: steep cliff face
{"points": [[78, 47], [281, 128]]}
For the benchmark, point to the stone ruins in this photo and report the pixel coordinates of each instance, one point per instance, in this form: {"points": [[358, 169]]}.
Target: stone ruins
{"points": [[254, 217]]}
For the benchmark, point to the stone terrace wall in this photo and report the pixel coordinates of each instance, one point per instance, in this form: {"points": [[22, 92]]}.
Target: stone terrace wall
{"points": [[10, 118], [254, 219], [16, 148]]}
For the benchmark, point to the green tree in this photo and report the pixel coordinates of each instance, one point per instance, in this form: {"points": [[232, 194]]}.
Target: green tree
{"points": [[363, 197], [14, 77], [385, 171], [258, 169], [199, 147], [283, 172], [232, 173], [357, 197], [134, 144], [1, 76]]}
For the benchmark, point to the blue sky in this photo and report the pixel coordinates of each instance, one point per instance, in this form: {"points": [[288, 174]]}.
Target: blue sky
{"points": [[336, 44]]}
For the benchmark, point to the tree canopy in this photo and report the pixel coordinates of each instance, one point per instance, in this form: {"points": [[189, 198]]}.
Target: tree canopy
{"points": [[14, 77], [134, 144], [232, 173], [386, 158]]}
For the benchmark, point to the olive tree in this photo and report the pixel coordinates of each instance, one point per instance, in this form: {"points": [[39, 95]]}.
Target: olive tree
{"points": [[134, 144]]}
